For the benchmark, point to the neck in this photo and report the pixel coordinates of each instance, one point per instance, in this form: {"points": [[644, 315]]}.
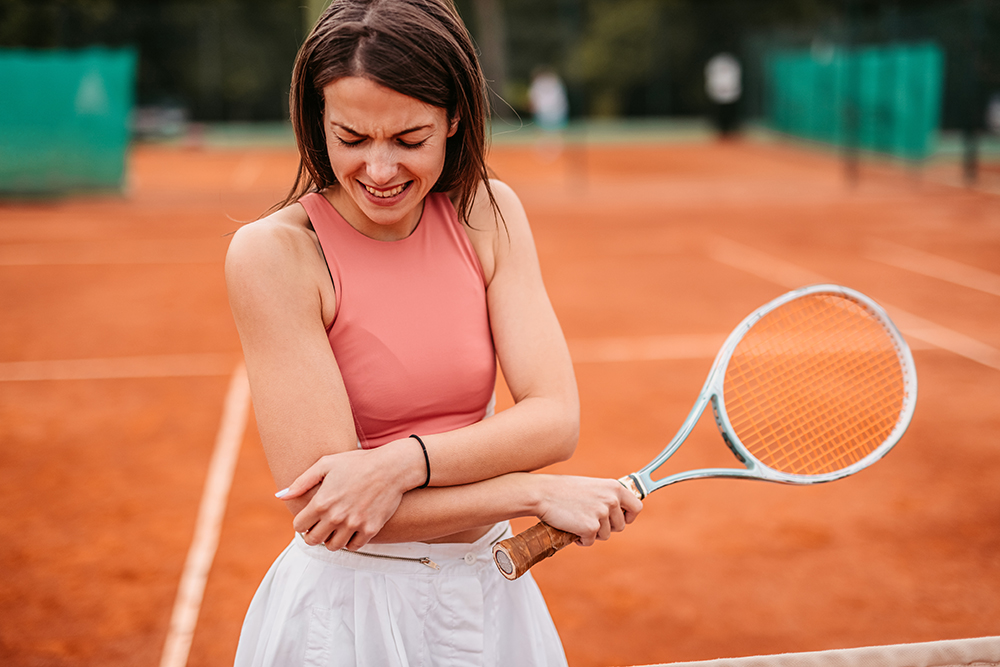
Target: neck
{"points": [[392, 231]]}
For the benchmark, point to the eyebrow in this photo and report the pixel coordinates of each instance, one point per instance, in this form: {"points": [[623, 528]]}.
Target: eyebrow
{"points": [[398, 134]]}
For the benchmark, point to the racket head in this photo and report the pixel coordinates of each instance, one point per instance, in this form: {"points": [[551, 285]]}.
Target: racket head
{"points": [[814, 386]]}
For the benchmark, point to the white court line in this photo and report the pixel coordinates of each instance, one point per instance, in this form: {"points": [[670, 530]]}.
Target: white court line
{"points": [[761, 264], [645, 348], [927, 264], [976, 651], [119, 252], [165, 365], [791, 276], [191, 590]]}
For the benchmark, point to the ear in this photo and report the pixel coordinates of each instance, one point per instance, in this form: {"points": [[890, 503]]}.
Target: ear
{"points": [[454, 126]]}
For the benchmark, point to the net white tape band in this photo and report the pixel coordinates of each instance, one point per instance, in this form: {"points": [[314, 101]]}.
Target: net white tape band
{"points": [[982, 651]]}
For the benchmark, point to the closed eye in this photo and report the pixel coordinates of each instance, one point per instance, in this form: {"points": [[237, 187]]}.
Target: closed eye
{"points": [[344, 142]]}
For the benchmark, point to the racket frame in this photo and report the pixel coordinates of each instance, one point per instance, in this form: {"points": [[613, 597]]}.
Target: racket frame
{"points": [[642, 484]]}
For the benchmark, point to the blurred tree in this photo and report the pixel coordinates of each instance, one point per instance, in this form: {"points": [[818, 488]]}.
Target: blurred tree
{"points": [[40, 24], [492, 38], [539, 34], [217, 59], [616, 51], [232, 59], [637, 57]]}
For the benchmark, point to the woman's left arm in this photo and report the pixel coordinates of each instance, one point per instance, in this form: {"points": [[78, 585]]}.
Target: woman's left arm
{"points": [[542, 426]]}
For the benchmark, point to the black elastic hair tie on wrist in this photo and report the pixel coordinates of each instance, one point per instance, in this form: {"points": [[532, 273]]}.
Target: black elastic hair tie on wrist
{"points": [[427, 461]]}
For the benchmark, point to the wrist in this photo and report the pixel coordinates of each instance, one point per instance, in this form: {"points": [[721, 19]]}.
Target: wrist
{"points": [[532, 494], [406, 459], [427, 461]]}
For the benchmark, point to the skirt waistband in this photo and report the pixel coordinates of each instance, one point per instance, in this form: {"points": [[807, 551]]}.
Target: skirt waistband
{"points": [[406, 555]]}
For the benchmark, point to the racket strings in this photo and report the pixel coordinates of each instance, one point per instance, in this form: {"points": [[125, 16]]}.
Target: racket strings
{"points": [[810, 443], [841, 433], [814, 386]]}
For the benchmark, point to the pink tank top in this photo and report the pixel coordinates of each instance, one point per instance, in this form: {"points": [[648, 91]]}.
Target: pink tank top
{"points": [[411, 330]]}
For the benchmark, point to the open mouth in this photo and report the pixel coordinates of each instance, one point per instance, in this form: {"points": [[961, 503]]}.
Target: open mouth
{"points": [[386, 193]]}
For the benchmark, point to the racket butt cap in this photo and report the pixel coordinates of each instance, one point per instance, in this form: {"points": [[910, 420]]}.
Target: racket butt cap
{"points": [[504, 563]]}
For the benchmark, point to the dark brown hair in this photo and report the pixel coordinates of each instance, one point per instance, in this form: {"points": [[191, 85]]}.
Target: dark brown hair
{"points": [[419, 48]]}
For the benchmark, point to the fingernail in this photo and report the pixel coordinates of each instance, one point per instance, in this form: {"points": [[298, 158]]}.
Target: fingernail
{"points": [[282, 493]]}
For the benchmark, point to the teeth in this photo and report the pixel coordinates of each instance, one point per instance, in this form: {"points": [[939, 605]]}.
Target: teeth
{"points": [[385, 193]]}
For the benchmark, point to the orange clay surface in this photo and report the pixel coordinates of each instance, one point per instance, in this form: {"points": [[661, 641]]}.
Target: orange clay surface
{"points": [[100, 479]]}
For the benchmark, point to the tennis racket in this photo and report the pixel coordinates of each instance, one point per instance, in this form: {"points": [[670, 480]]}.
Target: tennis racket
{"points": [[812, 387]]}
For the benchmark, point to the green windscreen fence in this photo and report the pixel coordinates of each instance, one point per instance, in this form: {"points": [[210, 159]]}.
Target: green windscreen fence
{"points": [[64, 119], [885, 99]]}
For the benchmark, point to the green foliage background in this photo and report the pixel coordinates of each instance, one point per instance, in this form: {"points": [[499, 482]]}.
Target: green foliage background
{"points": [[231, 59]]}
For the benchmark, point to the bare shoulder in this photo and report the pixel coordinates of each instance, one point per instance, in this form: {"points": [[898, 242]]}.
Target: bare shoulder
{"points": [[275, 238], [278, 254], [494, 232], [483, 217]]}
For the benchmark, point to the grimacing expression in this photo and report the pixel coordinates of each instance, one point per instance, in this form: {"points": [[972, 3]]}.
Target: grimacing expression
{"points": [[387, 151]]}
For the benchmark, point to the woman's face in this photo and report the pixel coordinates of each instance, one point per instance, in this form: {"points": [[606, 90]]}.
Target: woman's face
{"points": [[387, 151]]}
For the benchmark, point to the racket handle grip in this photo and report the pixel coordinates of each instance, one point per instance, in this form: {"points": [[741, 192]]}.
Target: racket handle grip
{"points": [[515, 555]]}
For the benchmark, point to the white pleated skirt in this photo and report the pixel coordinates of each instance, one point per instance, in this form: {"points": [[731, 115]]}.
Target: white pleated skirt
{"points": [[397, 605]]}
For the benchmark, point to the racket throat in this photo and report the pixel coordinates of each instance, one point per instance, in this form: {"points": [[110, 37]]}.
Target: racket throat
{"points": [[635, 485]]}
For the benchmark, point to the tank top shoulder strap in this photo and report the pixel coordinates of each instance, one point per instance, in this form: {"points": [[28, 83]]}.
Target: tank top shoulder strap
{"points": [[325, 219], [329, 227], [439, 206]]}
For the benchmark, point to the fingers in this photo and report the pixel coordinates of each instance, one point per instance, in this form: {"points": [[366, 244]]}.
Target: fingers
{"points": [[612, 521], [307, 480], [621, 510], [632, 507], [313, 534], [350, 532], [604, 532], [357, 541], [335, 539], [338, 540], [307, 519], [617, 520], [591, 508]]}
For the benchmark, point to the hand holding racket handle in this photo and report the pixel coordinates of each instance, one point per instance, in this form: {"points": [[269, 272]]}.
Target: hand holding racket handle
{"points": [[515, 555]]}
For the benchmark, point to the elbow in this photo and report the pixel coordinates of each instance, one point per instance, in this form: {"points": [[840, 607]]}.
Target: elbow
{"points": [[565, 452], [553, 430], [566, 435]]}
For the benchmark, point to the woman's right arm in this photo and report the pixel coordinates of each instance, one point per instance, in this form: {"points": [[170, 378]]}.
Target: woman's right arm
{"points": [[280, 295]]}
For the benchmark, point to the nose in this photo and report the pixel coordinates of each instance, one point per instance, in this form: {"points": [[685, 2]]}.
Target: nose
{"points": [[382, 166]]}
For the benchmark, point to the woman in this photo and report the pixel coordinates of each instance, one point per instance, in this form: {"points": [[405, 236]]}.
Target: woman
{"points": [[372, 308]]}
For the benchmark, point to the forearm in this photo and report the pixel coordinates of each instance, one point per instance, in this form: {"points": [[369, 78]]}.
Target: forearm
{"points": [[428, 514], [534, 433], [356, 493], [587, 507]]}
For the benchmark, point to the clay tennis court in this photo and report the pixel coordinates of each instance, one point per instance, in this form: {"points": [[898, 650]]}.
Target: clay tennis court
{"points": [[119, 353]]}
